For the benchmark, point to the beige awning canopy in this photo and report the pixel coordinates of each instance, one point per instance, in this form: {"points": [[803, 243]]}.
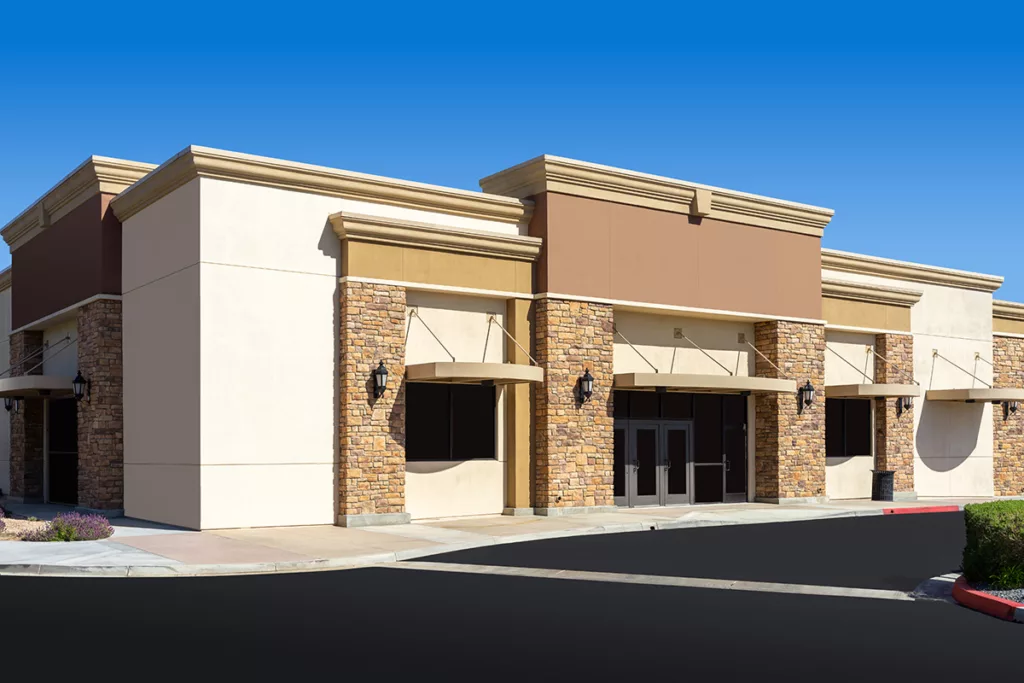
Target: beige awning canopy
{"points": [[474, 373], [31, 386], [985, 395], [872, 390], [704, 384]]}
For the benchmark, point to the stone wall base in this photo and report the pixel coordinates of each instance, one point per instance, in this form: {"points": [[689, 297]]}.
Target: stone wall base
{"points": [[582, 510], [518, 512], [904, 496], [383, 519], [808, 500]]}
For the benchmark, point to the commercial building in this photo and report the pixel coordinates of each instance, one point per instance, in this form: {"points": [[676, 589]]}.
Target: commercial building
{"points": [[573, 338]]}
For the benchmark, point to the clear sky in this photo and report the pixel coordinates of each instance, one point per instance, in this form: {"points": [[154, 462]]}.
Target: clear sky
{"points": [[908, 121]]}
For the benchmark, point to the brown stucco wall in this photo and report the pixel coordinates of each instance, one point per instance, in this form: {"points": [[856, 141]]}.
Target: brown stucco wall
{"points": [[606, 250], [77, 257]]}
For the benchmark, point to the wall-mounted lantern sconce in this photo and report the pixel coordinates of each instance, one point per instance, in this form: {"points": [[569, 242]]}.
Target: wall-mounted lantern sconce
{"points": [[903, 404], [1009, 408], [12, 403], [806, 395], [586, 386], [380, 380], [81, 387]]}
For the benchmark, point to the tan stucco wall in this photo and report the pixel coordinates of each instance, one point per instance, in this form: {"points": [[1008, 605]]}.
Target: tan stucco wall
{"points": [[653, 336], [1008, 326], [5, 362], [853, 347], [847, 478], [953, 441], [473, 487], [865, 314]]}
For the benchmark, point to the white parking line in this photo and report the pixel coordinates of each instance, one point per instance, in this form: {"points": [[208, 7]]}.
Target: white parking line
{"points": [[650, 580]]}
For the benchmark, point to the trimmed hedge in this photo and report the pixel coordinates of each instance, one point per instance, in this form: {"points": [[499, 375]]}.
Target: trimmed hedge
{"points": [[994, 553]]}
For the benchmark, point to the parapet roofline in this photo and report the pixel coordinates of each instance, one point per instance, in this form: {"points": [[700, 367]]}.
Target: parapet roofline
{"points": [[832, 259], [205, 162], [547, 173]]}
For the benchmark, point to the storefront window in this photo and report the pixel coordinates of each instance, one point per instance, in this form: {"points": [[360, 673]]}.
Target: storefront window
{"points": [[449, 422], [847, 427]]}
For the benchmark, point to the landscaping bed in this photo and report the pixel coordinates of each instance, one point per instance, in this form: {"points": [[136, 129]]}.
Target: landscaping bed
{"points": [[65, 527], [993, 561]]}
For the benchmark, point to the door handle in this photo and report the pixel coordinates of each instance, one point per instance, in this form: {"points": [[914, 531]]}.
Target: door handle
{"points": [[668, 466], [728, 467], [636, 465]]}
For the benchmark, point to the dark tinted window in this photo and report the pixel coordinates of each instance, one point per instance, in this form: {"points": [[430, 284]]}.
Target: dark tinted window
{"points": [[847, 427], [449, 422]]}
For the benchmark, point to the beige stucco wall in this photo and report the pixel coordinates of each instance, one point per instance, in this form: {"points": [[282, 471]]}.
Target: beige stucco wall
{"points": [[62, 357], [853, 347], [847, 478], [472, 487], [653, 336], [953, 441], [5, 362], [161, 288]]}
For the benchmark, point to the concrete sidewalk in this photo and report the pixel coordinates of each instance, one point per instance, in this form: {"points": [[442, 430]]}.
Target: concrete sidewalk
{"points": [[140, 548]]}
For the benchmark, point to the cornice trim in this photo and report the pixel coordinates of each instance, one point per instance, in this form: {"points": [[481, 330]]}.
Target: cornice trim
{"points": [[1004, 310], [203, 162], [91, 177], [913, 272], [569, 176], [5, 279], [874, 294], [362, 228]]}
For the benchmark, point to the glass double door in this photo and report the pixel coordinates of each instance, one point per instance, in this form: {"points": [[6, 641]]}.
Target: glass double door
{"points": [[653, 463]]}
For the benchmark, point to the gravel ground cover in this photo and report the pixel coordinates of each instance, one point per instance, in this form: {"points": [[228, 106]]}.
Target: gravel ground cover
{"points": [[1014, 595]]}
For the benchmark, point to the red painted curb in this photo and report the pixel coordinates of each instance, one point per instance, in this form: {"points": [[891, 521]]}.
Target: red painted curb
{"points": [[921, 510], [983, 602]]}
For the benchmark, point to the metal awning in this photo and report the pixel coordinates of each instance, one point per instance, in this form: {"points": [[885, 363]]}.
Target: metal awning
{"points": [[985, 395], [704, 384], [30, 386], [872, 390], [474, 373]]}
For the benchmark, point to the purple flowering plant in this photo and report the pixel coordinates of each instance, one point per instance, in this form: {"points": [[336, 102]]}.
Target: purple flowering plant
{"points": [[72, 526]]}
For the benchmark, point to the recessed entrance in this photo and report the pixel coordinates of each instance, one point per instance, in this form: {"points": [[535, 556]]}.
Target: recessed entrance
{"points": [[674, 448], [62, 439]]}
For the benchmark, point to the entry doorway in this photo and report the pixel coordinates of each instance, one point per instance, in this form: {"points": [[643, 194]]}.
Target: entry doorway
{"points": [[678, 449], [62, 451]]}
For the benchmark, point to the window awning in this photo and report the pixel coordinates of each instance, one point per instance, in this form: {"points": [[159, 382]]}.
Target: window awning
{"points": [[872, 390], [985, 395], [29, 386], [474, 373], [710, 384]]}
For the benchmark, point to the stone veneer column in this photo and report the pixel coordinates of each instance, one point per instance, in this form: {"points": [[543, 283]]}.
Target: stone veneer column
{"points": [[101, 413], [790, 443], [371, 470], [574, 441], [894, 433], [1008, 432], [27, 423]]}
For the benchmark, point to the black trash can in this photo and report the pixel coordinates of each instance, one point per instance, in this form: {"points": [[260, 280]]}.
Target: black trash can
{"points": [[882, 484]]}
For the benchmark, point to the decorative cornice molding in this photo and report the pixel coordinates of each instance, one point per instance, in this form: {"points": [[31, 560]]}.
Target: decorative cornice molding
{"points": [[1008, 310], [362, 228], [568, 176], [91, 177], [203, 162], [5, 279], [874, 294], [914, 272]]}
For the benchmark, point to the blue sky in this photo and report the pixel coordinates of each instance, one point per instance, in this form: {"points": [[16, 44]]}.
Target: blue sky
{"points": [[909, 123]]}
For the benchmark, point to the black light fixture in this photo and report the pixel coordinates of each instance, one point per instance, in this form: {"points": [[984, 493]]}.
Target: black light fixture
{"points": [[806, 395], [1009, 408], [903, 404], [380, 380], [81, 386], [11, 404], [586, 386]]}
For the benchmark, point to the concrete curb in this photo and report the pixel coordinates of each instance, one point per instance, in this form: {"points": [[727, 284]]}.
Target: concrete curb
{"points": [[369, 560], [923, 510], [986, 603]]}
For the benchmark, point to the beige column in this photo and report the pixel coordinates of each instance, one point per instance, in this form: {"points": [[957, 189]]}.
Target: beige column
{"points": [[894, 429], [574, 440], [371, 466], [789, 439], [518, 410], [1008, 427]]}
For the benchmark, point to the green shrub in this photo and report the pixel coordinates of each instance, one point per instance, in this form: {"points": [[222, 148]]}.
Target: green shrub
{"points": [[994, 553]]}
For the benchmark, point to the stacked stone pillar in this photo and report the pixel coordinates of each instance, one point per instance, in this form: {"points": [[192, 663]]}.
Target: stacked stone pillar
{"points": [[1008, 427], [27, 424], [574, 440], [371, 469], [101, 412], [790, 438], [894, 429]]}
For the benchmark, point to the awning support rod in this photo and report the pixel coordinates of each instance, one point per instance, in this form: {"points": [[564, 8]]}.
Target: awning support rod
{"points": [[871, 380], [766, 359], [895, 367], [17, 363], [616, 331], [695, 345], [70, 342], [935, 352], [414, 314], [977, 356], [494, 320]]}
